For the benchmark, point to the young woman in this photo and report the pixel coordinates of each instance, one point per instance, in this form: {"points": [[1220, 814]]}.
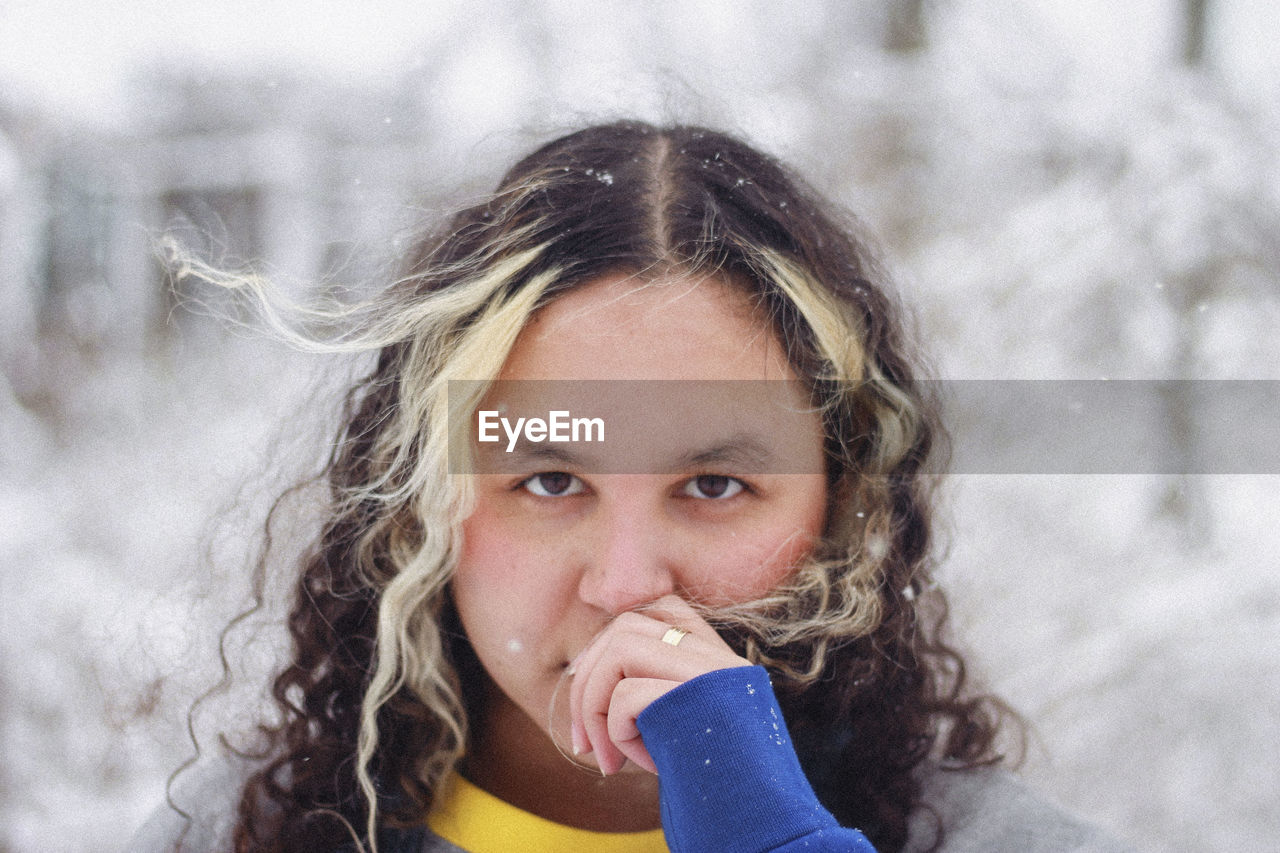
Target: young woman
{"points": [[709, 626]]}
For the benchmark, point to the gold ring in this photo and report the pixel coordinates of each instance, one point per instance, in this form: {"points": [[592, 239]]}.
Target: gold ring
{"points": [[674, 636]]}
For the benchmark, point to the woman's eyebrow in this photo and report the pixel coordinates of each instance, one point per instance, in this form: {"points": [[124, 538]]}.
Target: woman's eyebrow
{"points": [[525, 452], [745, 452]]}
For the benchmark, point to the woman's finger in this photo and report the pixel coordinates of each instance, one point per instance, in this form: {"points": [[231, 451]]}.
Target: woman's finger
{"points": [[675, 611], [633, 648], [658, 616], [584, 664], [631, 697], [625, 649]]}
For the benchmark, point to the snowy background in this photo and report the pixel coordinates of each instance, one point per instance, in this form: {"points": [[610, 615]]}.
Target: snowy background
{"points": [[1074, 190]]}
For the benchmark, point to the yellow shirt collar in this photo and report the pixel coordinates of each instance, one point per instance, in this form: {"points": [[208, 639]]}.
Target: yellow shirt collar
{"points": [[479, 822]]}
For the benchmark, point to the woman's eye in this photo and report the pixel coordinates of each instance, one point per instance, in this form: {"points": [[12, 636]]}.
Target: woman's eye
{"points": [[713, 487], [553, 484]]}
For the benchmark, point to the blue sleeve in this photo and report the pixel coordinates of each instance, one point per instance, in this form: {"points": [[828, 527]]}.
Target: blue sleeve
{"points": [[730, 780]]}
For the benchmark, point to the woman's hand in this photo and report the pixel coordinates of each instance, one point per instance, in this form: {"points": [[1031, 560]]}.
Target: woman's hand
{"points": [[626, 667]]}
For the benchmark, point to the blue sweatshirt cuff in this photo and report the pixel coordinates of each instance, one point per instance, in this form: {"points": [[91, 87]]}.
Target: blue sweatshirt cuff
{"points": [[729, 776]]}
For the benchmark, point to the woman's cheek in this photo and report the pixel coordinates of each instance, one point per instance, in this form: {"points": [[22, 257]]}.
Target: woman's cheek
{"points": [[496, 551], [506, 584], [485, 584], [750, 564]]}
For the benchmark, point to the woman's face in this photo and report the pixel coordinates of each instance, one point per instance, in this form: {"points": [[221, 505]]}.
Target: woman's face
{"points": [[706, 505]]}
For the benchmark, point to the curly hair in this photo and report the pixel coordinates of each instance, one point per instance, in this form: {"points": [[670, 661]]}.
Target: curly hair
{"points": [[375, 703]]}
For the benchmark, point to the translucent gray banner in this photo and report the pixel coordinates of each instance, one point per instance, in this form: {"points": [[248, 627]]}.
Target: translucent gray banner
{"points": [[997, 426], [1113, 426]]}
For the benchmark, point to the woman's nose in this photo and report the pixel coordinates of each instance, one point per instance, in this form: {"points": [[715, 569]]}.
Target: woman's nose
{"points": [[627, 560]]}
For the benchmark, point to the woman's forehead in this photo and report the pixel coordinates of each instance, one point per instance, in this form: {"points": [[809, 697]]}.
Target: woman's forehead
{"points": [[623, 326]]}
